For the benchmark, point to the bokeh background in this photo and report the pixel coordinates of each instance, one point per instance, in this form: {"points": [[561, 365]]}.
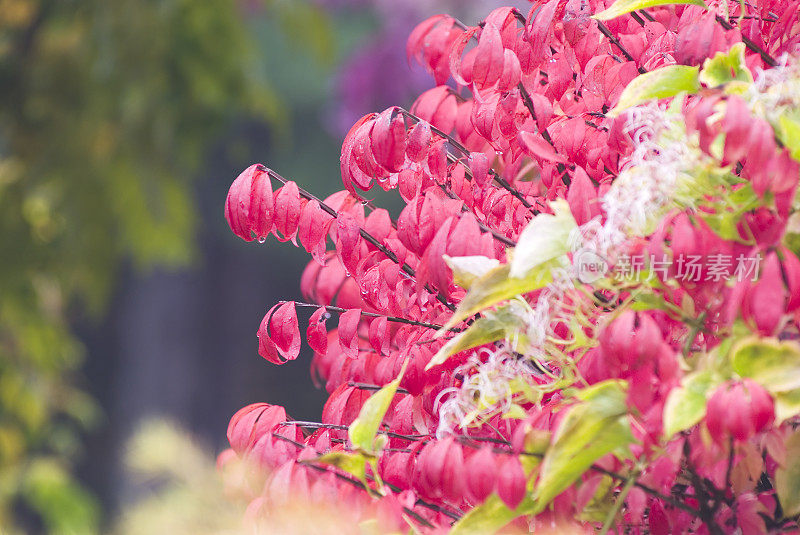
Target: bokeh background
{"points": [[128, 310]]}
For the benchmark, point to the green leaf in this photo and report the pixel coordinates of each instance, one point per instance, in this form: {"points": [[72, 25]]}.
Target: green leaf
{"points": [[515, 412], [787, 404], [545, 238], [787, 478], [364, 428], [724, 68], [661, 83], [728, 210], [601, 503], [648, 301], [497, 286], [498, 324], [621, 7], [594, 427], [353, 463], [776, 366], [788, 131], [466, 269], [773, 364], [686, 405], [490, 516], [724, 225]]}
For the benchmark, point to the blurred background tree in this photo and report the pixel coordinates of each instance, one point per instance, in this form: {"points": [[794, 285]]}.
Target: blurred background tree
{"points": [[105, 111], [122, 293]]}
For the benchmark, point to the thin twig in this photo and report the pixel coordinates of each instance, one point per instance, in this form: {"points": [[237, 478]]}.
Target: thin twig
{"points": [[749, 43], [502, 182], [373, 388], [611, 37], [340, 310], [334, 427]]}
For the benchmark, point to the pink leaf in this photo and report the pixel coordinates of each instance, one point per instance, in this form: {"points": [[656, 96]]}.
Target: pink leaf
{"points": [[249, 205], [279, 334], [348, 332], [489, 57], [313, 229], [379, 335], [536, 146], [317, 334], [287, 211]]}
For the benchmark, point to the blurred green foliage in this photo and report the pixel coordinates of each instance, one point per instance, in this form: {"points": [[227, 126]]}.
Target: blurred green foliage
{"points": [[185, 493], [106, 109]]}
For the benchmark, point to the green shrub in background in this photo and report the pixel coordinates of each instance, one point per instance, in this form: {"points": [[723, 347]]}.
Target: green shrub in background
{"points": [[105, 111]]}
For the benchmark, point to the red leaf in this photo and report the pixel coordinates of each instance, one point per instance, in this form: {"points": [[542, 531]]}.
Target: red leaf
{"points": [[249, 205], [438, 106], [348, 241], [379, 335], [317, 334], [351, 173], [437, 160], [507, 115], [512, 72], [343, 407], [313, 229], [465, 238], [418, 140], [544, 110], [483, 116], [279, 334], [429, 43], [511, 482], [536, 146], [348, 332], [582, 197], [503, 18], [251, 422], [389, 140], [408, 184], [481, 474], [287, 211], [416, 41], [489, 57], [539, 30], [378, 224], [456, 51], [479, 167]]}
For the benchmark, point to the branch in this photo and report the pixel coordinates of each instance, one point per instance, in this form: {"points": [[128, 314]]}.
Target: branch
{"points": [[340, 310], [769, 60], [364, 234], [605, 31], [502, 182]]}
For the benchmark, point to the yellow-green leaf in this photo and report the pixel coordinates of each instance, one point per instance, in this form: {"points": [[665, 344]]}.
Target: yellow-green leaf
{"points": [[495, 325], [686, 405], [594, 427], [497, 286], [490, 516], [776, 366], [789, 133], [787, 478], [725, 67], [621, 7], [545, 238], [353, 463], [466, 269], [662, 83], [787, 404], [772, 363], [364, 428]]}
